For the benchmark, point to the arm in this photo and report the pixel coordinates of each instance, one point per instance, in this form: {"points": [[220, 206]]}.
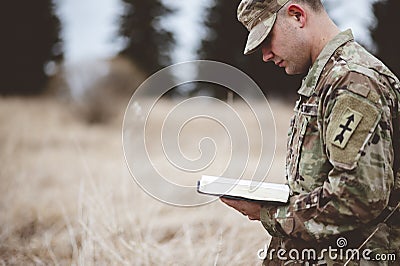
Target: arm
{"points": [[357, 188]]}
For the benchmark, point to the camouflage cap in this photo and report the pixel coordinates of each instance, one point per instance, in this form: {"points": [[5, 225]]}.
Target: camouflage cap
{"points": [[258, 16]]}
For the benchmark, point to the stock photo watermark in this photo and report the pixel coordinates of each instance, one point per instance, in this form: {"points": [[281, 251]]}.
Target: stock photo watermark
{"points": [[196, 135], [337, 253]]}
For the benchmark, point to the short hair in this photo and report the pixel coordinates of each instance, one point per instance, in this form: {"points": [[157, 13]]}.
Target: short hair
{"points": [[315, 5]]}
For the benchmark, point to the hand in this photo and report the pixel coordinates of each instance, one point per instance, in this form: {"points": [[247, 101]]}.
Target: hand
{"points": [[248, 208]]}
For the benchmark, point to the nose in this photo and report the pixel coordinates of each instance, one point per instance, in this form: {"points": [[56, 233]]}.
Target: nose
{"points": [[266, 53]]}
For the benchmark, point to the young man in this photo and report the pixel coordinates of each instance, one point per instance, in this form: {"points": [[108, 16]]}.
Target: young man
{"points": [[343, 148]]}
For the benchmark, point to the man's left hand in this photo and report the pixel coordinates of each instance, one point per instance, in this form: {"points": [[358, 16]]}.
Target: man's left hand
{"points": [[248, 208]]}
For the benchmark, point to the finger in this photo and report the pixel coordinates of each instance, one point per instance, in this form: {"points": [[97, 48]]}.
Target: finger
{"points": [[225, 200], [232, 203]]}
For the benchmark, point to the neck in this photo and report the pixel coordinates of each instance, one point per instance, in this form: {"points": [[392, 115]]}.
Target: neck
{"points": [[323, 32]]}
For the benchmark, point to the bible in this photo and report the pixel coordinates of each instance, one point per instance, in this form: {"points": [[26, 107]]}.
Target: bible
{"points": [[243, 189]]}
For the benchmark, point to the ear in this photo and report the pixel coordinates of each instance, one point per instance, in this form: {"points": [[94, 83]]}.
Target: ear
{"points": [[298, 13]]}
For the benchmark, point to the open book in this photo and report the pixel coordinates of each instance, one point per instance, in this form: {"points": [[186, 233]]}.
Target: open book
{"points": [[243, 189]]}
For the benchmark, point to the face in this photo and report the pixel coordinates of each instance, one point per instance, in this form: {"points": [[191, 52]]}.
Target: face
{"points": [[286, 47]]}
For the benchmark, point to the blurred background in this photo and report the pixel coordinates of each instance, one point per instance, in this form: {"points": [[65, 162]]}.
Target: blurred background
{"points": [[68, 69], [71, 47]]}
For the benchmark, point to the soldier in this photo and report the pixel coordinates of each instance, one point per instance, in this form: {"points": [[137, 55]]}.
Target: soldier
{"points": [[343, 154]]}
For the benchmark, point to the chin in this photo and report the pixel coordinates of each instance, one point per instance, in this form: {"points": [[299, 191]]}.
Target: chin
{"points": [[293, 71], [290, 72]]}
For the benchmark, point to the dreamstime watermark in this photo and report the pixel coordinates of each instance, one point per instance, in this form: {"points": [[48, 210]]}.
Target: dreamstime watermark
{"points": [[197, 135], [338, 253]]}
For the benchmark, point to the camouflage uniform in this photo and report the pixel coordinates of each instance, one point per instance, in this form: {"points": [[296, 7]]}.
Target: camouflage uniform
{"points": [[343, 158]]}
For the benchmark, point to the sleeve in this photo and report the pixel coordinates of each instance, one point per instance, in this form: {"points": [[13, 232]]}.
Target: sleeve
{"points": [[356, 133]]}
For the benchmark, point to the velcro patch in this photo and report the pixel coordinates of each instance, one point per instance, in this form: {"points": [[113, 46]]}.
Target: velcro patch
{"points": [[348, 124], [352, 123]]}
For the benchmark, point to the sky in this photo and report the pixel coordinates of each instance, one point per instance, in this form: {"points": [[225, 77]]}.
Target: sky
{"points": [[355, 14], [90, 28]]}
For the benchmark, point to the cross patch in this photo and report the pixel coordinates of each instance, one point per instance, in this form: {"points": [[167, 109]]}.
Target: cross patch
{"points": [[348, 124]]}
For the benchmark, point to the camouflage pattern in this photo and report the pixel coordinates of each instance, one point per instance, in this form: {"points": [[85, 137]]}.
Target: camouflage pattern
{"points": [[343, 158], [258, 16]]}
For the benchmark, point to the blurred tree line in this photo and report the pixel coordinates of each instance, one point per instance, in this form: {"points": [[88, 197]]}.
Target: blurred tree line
{"points": [[148, 44], [386, 35], [31, 42]]}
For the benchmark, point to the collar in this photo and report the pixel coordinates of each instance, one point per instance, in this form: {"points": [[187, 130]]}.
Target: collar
{"points": [[310, 82]]}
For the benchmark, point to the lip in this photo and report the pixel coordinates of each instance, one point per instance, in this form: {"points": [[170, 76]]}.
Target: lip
{"points": [[279, 63]]}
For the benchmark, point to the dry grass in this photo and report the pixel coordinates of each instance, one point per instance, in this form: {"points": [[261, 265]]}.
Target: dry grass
{"points": [[66, 198]]}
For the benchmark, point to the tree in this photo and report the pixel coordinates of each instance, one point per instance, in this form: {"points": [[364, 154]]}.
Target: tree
{"points": [[149, 45], [30, 40], [225, 43], [385, 33]]}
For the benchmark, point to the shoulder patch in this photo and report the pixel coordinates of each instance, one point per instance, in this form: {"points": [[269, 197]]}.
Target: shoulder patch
{"points": [[352, 123], [346, 127]]}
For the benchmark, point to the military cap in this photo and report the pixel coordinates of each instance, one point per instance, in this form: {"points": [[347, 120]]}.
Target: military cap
{"points": [[258, 16]]}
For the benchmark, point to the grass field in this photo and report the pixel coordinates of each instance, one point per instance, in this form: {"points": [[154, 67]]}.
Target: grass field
{"points": [[67, 198]]}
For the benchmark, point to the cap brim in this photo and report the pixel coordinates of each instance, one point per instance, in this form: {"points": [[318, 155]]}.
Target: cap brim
{"points": [[258, 34]]}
